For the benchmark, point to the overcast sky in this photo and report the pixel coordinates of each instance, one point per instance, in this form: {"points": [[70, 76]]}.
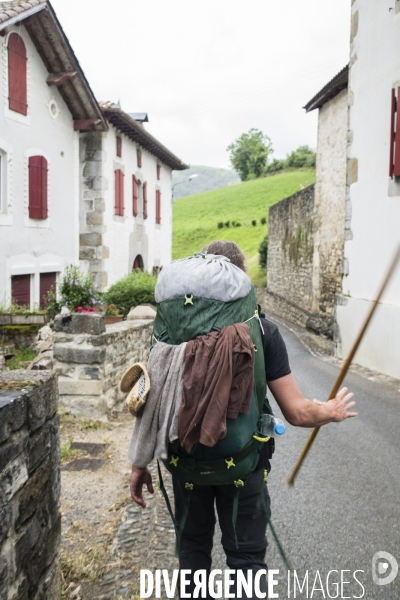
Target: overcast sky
{"points": [[208, 70]]}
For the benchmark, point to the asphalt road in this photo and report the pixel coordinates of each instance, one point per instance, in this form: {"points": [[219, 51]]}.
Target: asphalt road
{"points": [[346, 503]]}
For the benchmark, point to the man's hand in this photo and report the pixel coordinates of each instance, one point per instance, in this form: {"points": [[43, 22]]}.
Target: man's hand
{"points": [[139, 478], [301, 412], [341, 405]]}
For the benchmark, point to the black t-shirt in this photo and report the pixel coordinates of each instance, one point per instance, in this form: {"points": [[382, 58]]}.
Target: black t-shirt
{"points": [[275, 353], [276, 366]]}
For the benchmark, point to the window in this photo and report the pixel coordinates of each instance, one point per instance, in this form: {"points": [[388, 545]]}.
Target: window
{"points": [[135, 196], [138, 263], [21, 290], [158, 207], [37, 187], [394, 165], [145, 213], [47, 283], [119, 192], [17, 90], [139, 158], [158, 172], [119, 146]]}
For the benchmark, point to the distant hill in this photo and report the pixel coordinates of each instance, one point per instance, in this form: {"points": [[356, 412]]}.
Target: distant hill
{"points": [[209, 178], [196, 218]]}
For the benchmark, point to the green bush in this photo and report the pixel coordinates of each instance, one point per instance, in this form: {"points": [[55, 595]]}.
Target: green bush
{"points": [[254, 222], [263, 221], [227, 224], [220, 225], [263, 253], [136, 288]]}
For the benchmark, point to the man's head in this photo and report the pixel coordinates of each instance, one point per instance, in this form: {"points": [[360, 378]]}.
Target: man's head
{"points": [[228, 249]]}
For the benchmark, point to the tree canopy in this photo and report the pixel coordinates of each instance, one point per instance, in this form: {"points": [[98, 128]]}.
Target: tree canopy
{"points": [[249, 154]]}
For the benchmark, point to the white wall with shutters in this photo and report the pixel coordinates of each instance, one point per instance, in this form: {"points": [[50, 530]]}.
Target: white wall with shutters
{"points": [[25, 241], [127, 236], [373, 208]]}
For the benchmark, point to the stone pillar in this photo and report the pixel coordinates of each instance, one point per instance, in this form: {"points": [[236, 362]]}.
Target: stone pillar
{"points": [[92, 206], [30, 523], [90, 360]]}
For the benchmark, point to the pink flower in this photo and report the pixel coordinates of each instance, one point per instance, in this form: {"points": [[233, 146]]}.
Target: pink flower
{"points": [[79, 309]]}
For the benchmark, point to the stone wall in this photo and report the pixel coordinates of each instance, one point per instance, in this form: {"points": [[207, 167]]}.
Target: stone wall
{"points": [[30, 527], [91, 358], [290, 257]]}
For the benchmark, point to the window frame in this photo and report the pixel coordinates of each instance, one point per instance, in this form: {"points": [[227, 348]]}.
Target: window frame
{"points": [[40, 209], [119, 193]]}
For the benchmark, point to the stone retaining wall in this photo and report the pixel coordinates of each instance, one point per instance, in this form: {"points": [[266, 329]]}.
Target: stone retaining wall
{"points": [[91, 358], [30, 527]]}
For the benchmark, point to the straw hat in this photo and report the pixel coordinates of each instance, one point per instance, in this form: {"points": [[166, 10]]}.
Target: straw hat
{"points": [[136, 383]]}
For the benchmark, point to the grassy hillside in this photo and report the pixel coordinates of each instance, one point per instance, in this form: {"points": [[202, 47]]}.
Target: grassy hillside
{"points": [[196, 218], [209, 178]]}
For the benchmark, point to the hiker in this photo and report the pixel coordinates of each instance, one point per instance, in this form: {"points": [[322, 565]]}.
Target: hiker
{"points": [[244, 536]]}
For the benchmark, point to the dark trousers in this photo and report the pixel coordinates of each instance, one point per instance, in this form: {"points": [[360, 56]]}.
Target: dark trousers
{"points": [[197, 537]]}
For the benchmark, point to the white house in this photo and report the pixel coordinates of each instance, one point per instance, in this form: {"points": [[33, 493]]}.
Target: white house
{"points": [[373, 186], [126, 208], [79, 182], [45, 101]]}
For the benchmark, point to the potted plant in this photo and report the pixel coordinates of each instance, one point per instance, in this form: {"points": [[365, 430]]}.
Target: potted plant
{"points": [[112, 314]]}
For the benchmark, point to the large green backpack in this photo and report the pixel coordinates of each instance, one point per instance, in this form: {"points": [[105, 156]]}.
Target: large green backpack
{"points": [[235, 457]]}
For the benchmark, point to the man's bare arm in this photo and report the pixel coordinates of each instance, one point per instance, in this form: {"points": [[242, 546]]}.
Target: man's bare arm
{"points": [[139, 478], [301, 412]]}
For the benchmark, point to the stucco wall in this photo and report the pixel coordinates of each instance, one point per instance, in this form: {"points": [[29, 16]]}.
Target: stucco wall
{"points": [[128, 236], [372, 227], [36, 245]]}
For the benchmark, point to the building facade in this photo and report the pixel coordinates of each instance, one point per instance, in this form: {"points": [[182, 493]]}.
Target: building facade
{"points": [[126, 208], [80, 182], [41, 114], [373, 187]]}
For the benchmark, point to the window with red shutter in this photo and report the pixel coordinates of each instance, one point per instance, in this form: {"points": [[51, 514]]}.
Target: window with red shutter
{"points": [[145, 210], [158, 207], [394, 166], [158, 171], [47, 283], [135, 196], [139, 157], [119, 193], [21, 290], [119, 146], [37, 187], [17, 89]]}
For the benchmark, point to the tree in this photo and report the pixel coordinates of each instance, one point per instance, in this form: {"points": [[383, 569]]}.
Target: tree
{"points": [[304, 156], [249, 154]]}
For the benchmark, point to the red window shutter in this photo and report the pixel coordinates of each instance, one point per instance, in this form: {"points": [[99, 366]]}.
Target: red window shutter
{"points": [[158, 207], [135, 196], [38, 187], [396, 112], [119, 146], [17, 90], [145, 211], [139, 158], [392, 132], [21, 290], [158, 171], [47, 283], [119, 192]]}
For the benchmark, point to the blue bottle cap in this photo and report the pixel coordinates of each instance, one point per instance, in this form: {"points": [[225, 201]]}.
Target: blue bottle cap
{"points": [[279, 429]]}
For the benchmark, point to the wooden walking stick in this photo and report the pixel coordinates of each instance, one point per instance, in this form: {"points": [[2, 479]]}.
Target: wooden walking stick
{"points": [[346, 366]]}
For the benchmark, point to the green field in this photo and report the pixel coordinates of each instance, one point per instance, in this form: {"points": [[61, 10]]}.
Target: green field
{"points": [[196, 218]]}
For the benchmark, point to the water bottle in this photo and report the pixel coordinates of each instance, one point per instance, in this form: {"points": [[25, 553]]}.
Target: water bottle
{"points": [[271, 426]]}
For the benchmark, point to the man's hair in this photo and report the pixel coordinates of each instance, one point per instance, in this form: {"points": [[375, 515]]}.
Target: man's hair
{"points": [[228, 249]]}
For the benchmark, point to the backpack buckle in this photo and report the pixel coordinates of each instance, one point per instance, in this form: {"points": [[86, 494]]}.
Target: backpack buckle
{"points": [[229, 462]]}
